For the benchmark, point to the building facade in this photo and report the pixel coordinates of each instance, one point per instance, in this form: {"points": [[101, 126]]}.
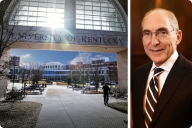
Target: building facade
{"points": [[14, 68], [56, 71], [70, 25]]}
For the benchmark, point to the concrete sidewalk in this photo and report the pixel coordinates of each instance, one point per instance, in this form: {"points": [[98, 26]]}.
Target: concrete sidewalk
{"points": [[64, 108]]}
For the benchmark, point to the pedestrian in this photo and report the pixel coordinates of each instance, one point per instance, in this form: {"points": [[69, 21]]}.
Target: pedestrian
{"points": [[161, 90], [106, 91]]}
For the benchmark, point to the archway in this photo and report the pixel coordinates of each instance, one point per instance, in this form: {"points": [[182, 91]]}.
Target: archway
{"points": [[72, 25]]}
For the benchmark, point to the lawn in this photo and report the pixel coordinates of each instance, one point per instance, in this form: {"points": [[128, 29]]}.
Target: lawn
{"points": [[120, 106], [39, 82], [20, 114], [61, 83]]}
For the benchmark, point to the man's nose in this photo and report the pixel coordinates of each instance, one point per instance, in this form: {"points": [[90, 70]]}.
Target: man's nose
{"points": [[154, 39]]}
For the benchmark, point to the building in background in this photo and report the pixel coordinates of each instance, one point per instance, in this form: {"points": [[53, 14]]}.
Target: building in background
{"points": [[55, 71], [14, 62]]}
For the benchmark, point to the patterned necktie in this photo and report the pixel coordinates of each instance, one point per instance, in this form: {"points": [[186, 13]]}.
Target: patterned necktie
{"points": [[152, 96]]}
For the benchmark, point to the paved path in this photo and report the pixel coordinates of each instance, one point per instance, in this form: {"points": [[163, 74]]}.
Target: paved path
{"points": [[64, 108], [54, 83]]}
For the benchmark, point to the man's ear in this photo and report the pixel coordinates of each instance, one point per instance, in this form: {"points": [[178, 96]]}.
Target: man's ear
{"points": [[179, 37]]}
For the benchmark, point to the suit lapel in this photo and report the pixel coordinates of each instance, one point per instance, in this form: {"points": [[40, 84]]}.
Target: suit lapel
{"points": [[142, 80], [173, 79]]}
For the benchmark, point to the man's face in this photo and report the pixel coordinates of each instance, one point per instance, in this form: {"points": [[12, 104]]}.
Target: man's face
{"points": [[158, 46]]}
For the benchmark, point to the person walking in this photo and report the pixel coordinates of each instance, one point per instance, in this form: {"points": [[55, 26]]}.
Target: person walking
{"points": [[106, 91]]}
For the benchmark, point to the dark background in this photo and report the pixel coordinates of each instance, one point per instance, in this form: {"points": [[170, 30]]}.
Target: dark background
{"points": [[183, 12]]}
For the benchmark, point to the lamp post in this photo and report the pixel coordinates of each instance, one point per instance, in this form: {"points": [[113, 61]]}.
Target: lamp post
{"points": [[23, 77], [13, 74], [109, 76]]}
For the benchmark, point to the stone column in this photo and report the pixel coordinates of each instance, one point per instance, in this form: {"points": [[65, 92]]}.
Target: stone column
{"points": [[122, 69], [3, 78], [70, 14]]}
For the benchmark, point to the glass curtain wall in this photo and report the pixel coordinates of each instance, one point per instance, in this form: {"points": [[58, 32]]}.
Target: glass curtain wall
{"points": [[90, 14], [98, 15], [45, 13]]}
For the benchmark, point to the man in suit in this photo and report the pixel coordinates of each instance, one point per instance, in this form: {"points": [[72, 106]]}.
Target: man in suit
{"points": [[173, 106]]}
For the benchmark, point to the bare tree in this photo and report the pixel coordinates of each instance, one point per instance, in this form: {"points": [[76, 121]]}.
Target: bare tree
{"points": [[95, 72], [6, 33], [30, 67], [69, 79], [6, 28], [3, 68], [37, 73], [83, 76], [114, 74], [75, 76], [86, 75]]}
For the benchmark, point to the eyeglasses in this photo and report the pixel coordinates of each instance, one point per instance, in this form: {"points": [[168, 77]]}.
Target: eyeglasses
{"points": [[160, 34]]}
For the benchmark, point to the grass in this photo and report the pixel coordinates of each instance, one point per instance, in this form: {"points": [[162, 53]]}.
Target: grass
{"points": [[39, 82], [120, 106], [20, 114], [61, 83]]}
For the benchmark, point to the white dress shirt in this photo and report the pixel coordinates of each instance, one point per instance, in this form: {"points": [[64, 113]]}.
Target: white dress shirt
{"points": [[167, 65]]}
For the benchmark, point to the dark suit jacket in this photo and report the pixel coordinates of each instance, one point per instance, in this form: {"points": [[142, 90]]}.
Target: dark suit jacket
{"points": [[174, 106]]}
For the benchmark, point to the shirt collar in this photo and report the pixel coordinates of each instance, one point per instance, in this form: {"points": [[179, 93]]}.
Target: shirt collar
{"points": [[167, 65]]}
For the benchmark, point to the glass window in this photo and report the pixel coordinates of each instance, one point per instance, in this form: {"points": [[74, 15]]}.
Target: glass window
{"points": [[80, 12], [111, 10], [32, 14], [88, 17], [50, 9], [88, 26], [80, 2], [105, 28], [30, 24], [32, 8], [41, 14], [41, 24], [88, 22], [96, 8], [80, 26], [60, 10], [98, 15], [88, 7], [88, 3], [80, 17], [104, 9], [19, 18], [33, 4], [43, 5], [23, 8], [41, 19], [80, 21], [61, 1], [42, 0], [90, 14], [97, 22], [80, 7], [97, 27], [104, 4], [45, 13], [24, 3], [42, 9], [33, 19], [59, 6]]}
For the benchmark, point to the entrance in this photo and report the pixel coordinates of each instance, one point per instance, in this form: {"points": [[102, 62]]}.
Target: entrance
{"points": [[71, 25]]}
